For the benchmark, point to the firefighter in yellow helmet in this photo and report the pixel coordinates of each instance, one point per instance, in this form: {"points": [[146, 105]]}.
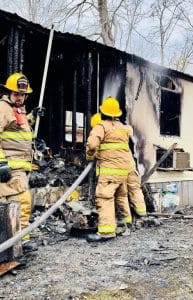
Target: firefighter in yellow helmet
{"points": [[95, 119], [136, 197], [135, 194], [15, 146], [108, 141]]}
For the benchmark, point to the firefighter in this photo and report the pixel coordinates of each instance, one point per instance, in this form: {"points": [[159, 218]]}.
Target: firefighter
{"points": [[108, 141], [16, 148], [135, 194], [95, 120]]}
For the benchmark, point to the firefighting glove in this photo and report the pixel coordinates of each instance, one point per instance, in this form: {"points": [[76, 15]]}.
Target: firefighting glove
{"points": [[90, 157], [5, 171], [38, 111]]}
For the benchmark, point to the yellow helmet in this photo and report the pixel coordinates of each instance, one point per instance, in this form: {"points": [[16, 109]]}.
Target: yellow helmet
{"points": [[110, 107], [18, 82], [95, 119]]}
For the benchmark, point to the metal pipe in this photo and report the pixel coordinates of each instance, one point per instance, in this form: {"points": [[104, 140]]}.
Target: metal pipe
{"points": [[10, 242], [44, 79]]}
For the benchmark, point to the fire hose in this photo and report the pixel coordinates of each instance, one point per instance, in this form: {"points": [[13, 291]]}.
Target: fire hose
{"points": [[10, 242]]}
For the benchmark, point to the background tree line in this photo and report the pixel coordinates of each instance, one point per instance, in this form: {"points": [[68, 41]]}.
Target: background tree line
{"points": [[158, 30]]}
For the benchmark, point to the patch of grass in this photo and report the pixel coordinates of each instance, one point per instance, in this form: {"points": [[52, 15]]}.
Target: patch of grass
{"points": [[108, 295]]}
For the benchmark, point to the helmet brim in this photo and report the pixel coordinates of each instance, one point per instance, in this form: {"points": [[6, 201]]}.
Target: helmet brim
{"points": [[29, 90], [110, 115]]}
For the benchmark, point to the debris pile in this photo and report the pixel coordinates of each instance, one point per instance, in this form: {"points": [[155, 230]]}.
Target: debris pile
{"points": [[71, 219], [77, 216], [55, 172], [53, 178]]}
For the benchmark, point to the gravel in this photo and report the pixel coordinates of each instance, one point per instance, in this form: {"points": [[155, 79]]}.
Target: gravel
{"points": [[154, 262]]}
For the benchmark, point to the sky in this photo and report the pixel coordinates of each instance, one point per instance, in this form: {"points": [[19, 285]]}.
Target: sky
{"points": [[144, 42]]}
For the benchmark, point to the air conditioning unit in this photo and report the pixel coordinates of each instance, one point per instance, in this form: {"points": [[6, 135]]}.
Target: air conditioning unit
{"points": [[179, 159]]}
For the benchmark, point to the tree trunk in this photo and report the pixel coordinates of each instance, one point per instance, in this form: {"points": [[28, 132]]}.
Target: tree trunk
{"points": [[106, 30]]}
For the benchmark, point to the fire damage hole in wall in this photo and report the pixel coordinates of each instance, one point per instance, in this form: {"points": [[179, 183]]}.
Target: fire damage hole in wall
{"points": [[170, 106], [170, 113], [165, 82]]}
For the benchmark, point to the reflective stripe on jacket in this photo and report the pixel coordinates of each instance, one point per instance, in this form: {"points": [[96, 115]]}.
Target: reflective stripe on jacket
{"points": [[111, 171], [16, 135], [115, 146], [15, 139], [110, 139], [19, 164]]}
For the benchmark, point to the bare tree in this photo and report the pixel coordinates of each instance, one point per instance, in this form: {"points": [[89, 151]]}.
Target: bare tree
{"points": [[165, 15], [153, 29], [183, 60], [183, 57], [95, 19], [129, 16], [106, 25]]}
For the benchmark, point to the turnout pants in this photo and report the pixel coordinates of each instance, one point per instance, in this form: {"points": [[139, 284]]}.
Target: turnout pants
{"points": [[135, 193], [16, 189], [111, 195]]}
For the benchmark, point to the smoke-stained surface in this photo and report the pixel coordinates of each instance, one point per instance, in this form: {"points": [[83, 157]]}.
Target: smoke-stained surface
{"points": [[112, 85], [153, 100], [82, 73]]}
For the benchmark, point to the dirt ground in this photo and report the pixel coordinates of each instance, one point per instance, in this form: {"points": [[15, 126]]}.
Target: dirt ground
{"points": [[154, 262]]}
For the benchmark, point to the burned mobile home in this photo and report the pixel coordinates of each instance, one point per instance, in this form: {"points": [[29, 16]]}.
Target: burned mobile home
{"points": [[156, 101]]}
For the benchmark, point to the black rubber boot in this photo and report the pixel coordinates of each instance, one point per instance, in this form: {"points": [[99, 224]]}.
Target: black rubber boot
{"points": [[98, 238]]}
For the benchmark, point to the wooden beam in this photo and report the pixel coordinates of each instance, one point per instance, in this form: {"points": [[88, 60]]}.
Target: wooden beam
{"points": [[9, 226], [8, 266], [146, 176], [172, 216]]}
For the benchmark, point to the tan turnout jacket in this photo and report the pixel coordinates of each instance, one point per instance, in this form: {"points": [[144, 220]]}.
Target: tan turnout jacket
{"points": [[108, 141], [15, 139]]}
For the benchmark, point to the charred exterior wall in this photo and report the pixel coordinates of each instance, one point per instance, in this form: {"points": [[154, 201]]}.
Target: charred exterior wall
{"points": [[82, 73], [159, 107]]}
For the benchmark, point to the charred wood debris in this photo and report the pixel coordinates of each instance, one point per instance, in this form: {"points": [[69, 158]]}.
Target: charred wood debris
{"points": [[77, 216]]}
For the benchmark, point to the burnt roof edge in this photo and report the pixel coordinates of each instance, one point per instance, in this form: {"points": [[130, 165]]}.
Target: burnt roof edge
{"points": [[14, 18]]}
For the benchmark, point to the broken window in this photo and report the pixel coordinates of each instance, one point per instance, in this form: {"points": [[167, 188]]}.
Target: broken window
{"points": [[170, 113], [170, 106], [165, 82]]}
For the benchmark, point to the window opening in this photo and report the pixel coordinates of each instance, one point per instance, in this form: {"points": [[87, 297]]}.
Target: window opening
{"points": [[170, 111], [165, 82], [79, 127], [170, 106]]}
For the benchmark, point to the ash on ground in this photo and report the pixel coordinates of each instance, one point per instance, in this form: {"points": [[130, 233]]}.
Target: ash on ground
{"points": [[154, 262]]}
